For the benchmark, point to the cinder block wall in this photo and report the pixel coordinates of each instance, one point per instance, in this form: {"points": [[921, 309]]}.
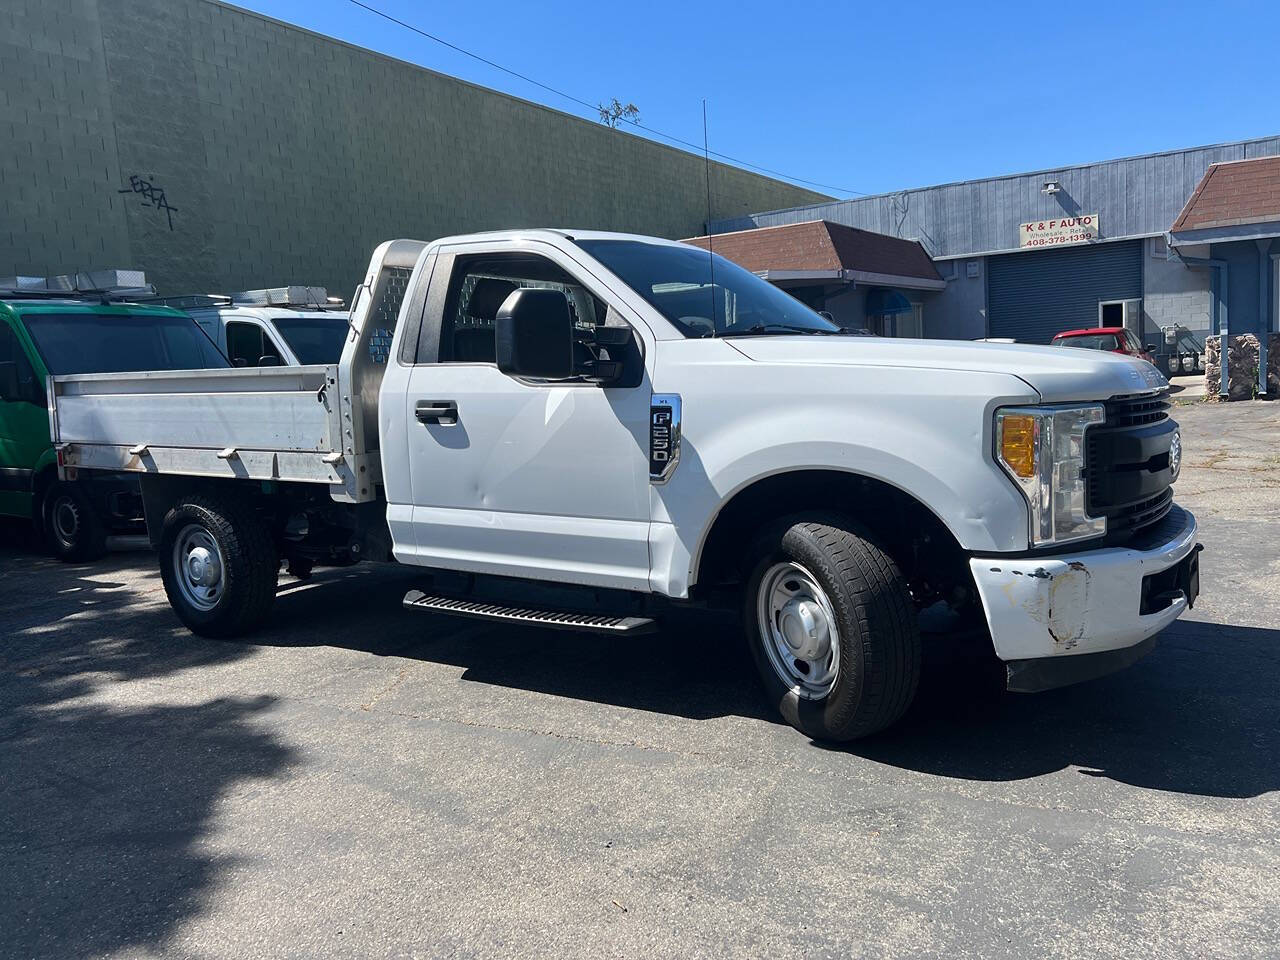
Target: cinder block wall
{"points": [[1173, 294], [285, 157]]}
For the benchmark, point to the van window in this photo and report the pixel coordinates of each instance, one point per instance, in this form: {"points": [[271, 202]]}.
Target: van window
{"points": [[247, 343], [120, 342], [314, 339], [29, 386]]}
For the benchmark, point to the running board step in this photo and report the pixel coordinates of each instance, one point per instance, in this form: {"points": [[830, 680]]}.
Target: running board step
{"points": [[480, 610]]}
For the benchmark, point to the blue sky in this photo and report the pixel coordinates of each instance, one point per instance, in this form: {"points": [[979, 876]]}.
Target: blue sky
{"points": [[866, 97]]}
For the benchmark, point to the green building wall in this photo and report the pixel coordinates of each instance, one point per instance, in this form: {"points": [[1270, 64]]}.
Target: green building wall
{"points": [[285, 157]]}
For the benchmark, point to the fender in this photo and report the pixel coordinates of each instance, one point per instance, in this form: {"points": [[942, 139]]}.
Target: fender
{"points": [[921, 442]]}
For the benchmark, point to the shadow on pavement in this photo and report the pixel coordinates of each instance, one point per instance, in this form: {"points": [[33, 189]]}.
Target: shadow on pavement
{"points": [[105, 809], [1196, 716], [695, 668]]}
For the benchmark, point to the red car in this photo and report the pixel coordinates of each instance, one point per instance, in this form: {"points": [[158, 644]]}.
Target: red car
{"points": [[1114, 339]]}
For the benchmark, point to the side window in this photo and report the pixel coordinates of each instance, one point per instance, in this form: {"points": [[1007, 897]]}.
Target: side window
{"points": [[245, 344], [11, 353], [480, 285]]}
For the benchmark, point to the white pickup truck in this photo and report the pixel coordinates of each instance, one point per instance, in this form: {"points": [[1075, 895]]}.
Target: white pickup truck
{"points": [[619, 425]]}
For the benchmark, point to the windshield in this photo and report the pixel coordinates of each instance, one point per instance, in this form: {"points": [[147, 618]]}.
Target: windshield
{"points": [[314, 339], [676, 280], [121, 342], [1091, 341]]}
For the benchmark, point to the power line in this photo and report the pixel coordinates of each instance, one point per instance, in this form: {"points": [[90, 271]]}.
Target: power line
{"points": [[590, 106]]}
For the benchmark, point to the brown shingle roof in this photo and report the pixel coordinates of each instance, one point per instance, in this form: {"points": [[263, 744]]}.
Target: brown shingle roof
{"points": [[822, 245], [1234, 193]]}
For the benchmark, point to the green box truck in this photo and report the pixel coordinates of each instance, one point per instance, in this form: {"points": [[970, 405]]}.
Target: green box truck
{"points": [[67, 325]]}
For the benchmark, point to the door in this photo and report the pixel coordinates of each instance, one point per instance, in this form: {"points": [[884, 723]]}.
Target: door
{"points": [[1033, 295], [540, 479], [24, 424]]}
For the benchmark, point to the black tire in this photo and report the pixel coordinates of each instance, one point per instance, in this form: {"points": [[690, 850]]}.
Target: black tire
{"points": [[879, 638], [248, 560], [70, 524]]}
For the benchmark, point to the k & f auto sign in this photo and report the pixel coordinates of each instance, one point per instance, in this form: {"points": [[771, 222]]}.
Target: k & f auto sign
{"points": [[1060, 232]]}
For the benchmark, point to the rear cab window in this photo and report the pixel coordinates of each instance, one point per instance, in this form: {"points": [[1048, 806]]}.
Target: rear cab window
{"points": [[1089, 341]]}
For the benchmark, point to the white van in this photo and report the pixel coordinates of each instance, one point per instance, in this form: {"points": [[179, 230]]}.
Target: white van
{"points": [[279, 326]]}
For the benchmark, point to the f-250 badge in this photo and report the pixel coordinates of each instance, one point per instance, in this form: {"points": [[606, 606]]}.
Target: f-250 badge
{"points": [[664, 436]]}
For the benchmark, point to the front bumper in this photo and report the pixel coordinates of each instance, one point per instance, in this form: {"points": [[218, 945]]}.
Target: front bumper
{"points": [[1081, 604]]}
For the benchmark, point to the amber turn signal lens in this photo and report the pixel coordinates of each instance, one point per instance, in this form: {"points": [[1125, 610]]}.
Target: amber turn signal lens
{"points": [[1018, 443]]}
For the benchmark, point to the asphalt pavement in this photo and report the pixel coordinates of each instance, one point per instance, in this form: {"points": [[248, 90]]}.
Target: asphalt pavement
{"points": [[362, 781]]}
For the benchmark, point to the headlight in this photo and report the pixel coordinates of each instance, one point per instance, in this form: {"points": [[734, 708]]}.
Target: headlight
{"points": [[1042, 449]]}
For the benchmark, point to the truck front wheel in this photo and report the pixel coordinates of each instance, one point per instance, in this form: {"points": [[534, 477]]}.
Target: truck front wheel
{"points": [[832, 629], [219, 566]]}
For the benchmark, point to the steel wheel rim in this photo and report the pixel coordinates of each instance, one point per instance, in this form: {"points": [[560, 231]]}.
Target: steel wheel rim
{"points": [[198, 567], [798, 629], [65, 514]]}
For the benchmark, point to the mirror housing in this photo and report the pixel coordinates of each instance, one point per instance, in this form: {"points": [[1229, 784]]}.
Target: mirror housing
{"points": [[533, 335], [269, 360], [10, 389]]}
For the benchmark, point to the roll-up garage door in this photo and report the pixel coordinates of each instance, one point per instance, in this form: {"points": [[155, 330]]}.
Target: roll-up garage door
{"points": [[1031, 296]]}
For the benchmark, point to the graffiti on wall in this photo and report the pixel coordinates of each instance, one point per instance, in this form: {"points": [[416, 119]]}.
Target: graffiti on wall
{"points": [[152, 196]]}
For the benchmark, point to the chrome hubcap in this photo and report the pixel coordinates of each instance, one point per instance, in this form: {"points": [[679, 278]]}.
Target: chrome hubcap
{"points": [[798, 630], [198, 566]]}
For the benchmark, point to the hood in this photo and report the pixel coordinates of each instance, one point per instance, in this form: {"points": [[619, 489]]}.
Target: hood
{"points": [[1056, 373]]}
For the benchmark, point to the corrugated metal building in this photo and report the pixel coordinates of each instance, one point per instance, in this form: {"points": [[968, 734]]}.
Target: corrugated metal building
{"points": [[1032, 254]]}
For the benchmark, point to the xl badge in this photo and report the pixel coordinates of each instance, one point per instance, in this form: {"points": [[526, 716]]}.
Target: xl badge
{"points": [[664, 436]]}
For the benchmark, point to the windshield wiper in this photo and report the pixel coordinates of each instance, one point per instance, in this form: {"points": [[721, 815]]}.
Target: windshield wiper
{"points": [[766, 329]]}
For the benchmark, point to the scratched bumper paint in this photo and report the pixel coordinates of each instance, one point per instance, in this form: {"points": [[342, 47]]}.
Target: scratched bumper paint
{"points": [[1076, 603]]}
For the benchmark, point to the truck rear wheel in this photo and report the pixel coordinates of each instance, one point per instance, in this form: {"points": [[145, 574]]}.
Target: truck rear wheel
{"points": [[832, 629], [70, 524], [219, 566]]}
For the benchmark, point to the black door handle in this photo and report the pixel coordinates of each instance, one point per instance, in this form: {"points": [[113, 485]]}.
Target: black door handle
{"points": [[443, 412]]}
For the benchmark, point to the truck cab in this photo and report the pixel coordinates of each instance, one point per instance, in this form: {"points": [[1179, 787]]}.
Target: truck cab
{"points": [[277, 326], [70, 325]]}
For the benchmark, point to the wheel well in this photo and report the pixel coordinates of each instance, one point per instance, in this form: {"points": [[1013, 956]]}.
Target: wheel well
{"points": [[926, 552], [43, 479], [301, 518]]}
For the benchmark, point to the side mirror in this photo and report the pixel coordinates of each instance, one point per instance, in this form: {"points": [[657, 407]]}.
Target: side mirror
{"points": [[239, 362], [533, 334], [1149, 347], [269, 360]]}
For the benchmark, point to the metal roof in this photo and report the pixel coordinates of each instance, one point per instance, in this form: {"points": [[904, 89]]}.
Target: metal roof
{"points": [[1134, 197]]}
